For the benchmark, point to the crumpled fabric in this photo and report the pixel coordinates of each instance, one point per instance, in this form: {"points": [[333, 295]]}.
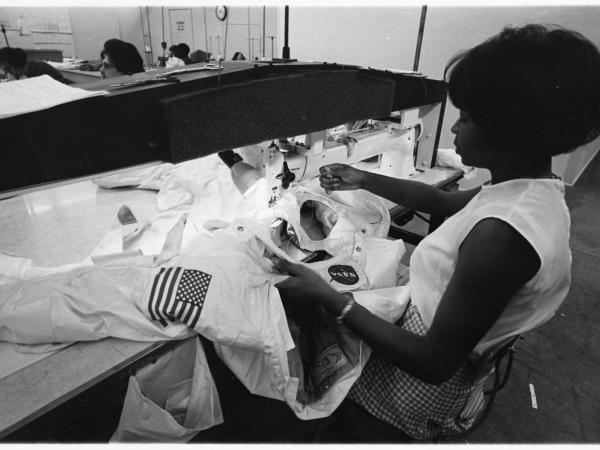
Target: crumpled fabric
{"points": [[226, 235]]}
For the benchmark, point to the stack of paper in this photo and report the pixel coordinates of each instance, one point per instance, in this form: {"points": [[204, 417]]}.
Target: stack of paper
{"points": [[34, 94]]}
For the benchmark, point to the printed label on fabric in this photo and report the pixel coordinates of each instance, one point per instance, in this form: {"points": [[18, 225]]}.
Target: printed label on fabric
{"points": [[343, 274], [330, 360], [178, 293]]}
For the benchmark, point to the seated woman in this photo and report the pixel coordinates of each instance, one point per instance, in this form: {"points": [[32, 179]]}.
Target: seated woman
{"points": [[238, 56], [120, 58], [500, 264], [183, 53], [174, 59], [14, 65]]}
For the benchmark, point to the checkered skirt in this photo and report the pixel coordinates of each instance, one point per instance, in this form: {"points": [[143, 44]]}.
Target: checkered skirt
{"points": [[419, 409]]}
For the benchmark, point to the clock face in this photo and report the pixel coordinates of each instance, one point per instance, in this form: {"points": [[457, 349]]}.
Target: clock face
{"points": [[221, 12]]}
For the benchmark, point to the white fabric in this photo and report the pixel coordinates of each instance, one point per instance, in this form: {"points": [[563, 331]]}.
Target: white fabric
{"points": [[171, 399], [149, 178], [202, 188], [537, 210], [241, 307], [87, 303], [173, 61], [268, 373], [15, 268], [374, 261], [447, 157]]}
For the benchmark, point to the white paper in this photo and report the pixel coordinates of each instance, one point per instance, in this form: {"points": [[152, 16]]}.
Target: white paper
{"points": [[34, 94], [534, 404]]}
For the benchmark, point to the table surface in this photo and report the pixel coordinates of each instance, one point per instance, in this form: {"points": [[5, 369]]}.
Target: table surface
{"points": [[56, 226], [61, 225]]}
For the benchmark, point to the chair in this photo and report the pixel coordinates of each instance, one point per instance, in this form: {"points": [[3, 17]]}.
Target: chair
{"points": [[490, 371]]}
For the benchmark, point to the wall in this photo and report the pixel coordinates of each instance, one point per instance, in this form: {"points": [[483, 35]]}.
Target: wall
{"points": [[206, 28], [38, 28], [77, 31], [386, 37], [379, 37], [93, 26]]}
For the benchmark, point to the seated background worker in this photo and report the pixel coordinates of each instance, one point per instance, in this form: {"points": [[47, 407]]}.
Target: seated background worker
{"points": [[15, 66], [120, 58], [238, 56], [499, 265], [183, 53], [174, 60]]}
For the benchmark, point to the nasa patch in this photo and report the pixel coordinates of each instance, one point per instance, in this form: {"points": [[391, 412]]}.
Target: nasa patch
{"points": [[343, 274]]}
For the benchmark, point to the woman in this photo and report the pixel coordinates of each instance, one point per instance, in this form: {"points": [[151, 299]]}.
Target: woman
{"points": [[14, 65], [120, 58], [500, 264]]}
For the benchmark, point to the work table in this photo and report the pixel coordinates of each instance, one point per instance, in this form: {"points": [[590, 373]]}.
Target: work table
{"points": [[61, 225]]}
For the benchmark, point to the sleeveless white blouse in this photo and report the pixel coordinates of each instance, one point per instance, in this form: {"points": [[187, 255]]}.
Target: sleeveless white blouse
{"points": [[537, 210]]}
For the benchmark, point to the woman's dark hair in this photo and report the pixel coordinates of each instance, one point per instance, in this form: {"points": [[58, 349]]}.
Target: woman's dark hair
{"points": [[184, 50], [15, 57], [532, 88], [124, 56]]}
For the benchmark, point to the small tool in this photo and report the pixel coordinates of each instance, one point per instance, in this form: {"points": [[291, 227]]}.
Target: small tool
{"points": [[145, 82], [189, 70]]}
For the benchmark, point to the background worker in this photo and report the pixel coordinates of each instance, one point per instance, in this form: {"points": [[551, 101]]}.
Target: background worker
{"points": [[120, 58], [14, 65]]}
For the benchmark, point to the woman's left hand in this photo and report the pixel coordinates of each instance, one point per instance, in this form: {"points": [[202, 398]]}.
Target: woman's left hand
{"points": [[304, 287]]}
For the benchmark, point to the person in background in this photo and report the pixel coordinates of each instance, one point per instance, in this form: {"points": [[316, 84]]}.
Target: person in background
{"points": [[183, 53], [120, 58], [15, 66], [174, 60], [499, 265], [238, 56], [198, 56]]}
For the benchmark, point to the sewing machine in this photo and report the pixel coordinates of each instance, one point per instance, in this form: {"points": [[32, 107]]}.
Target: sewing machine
{"points": [[313, 113], [391, 146]]}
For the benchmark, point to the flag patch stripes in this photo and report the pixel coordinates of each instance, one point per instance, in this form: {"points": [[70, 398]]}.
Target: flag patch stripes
{"points": [[178, 293]]}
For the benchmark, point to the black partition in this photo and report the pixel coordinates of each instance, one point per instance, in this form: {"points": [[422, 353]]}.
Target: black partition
{"points": [[205, 112]]}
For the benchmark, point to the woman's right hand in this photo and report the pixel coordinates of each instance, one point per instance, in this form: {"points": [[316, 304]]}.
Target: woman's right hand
{"points": [[341, 177]]}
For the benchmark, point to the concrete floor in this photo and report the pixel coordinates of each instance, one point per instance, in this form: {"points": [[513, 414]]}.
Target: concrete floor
{"points": [[560, 360]]}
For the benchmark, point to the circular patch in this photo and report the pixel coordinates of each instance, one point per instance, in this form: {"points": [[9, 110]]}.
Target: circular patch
{"points": [[343, 274]]}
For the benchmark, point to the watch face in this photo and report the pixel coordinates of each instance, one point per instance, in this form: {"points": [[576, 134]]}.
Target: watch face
{"points": [[221, 12]]}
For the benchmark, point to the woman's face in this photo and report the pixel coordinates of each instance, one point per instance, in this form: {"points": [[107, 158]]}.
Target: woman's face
{"points": [[471, 142], [108, 69], [7, 73]]}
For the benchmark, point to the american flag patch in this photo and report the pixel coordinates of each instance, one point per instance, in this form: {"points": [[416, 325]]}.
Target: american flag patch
{"points": [[178, 293]]}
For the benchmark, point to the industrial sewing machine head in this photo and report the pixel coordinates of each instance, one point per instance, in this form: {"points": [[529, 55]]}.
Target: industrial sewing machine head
{"points": [[391, 146]]}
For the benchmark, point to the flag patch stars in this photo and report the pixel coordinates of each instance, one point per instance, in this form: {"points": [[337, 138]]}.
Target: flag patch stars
{"points": [[178, 294]]}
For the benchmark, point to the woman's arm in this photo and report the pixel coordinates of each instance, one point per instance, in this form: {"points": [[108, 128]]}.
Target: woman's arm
{"points": [[408, 193], [494, 262]]}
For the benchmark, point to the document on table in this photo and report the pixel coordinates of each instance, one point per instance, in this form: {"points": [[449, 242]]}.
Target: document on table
{"points": [[34, 94]]}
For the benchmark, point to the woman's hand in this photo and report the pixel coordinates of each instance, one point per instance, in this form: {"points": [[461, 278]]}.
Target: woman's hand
{"points": [[341, 177], [304, 287]]}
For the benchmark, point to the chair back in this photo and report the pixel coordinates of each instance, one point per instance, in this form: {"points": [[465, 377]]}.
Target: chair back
{"points": [[489, 366]]}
